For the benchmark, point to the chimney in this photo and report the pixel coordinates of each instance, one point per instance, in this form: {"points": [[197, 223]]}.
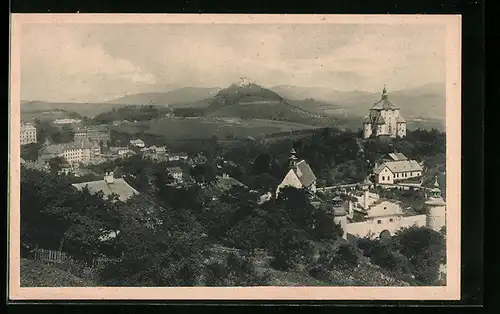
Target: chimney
{"points": [[108, 177]]}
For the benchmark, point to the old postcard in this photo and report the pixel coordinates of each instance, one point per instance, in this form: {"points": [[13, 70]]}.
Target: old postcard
{"points": [[264, 157]]}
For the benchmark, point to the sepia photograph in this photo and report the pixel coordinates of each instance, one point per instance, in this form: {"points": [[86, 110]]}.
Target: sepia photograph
{"points": [[290, 157]]}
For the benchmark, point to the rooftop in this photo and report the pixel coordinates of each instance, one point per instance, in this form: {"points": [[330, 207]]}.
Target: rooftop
{"points": [[399, 166], [397, 156], [118, 186], [304, 173], [384, 103]]}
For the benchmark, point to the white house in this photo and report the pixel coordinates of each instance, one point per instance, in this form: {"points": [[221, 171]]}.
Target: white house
{"points": [[384, 119], [137, 143], [393, 171], [300, 175], [176, 173]]}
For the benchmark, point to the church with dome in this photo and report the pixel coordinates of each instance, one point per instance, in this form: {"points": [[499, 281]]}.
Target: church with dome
{"points": [[384, 119]]}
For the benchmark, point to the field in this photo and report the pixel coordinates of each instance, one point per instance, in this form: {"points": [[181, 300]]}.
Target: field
{"points": [[197, 128]]}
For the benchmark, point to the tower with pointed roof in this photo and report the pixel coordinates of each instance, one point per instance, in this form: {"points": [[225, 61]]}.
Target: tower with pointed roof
{"points": [[384, 119], [299, 175], [436, 209]]}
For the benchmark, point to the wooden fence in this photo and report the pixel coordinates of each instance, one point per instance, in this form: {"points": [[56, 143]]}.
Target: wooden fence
{"points": [[51, 255], [59, 257]]}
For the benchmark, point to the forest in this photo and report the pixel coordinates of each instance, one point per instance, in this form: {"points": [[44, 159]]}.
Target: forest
{"points": [[200, 234]]}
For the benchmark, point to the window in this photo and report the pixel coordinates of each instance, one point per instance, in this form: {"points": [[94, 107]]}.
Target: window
{"points": [[383, 178], [379, 221], [385, 207], [391, 220]]}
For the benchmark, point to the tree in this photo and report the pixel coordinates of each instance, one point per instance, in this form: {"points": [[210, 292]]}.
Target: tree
{"points": [[291, 250], [424, 248], [344, 257], [56, 164], [156, 257], [29, 152], [204, 174], [54, 215]]}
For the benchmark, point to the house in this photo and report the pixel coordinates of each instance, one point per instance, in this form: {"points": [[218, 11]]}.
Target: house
{"points": [[154, 153], [137, 143], [391, 172], [67, 121], [384, 119], [177, 156], [176, 173], [299, 175], [119, 150], [109, 185], [27, 134]]}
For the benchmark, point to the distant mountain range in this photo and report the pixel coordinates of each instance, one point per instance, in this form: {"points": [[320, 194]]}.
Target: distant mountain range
{"points": [[284, 103], [425, 102]]}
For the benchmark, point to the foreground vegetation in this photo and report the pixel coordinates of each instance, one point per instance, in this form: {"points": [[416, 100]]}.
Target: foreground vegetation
{"points": [[201, 234]]}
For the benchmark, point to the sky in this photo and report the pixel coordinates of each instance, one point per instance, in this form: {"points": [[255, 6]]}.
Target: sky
{"points": [[100, 62]]}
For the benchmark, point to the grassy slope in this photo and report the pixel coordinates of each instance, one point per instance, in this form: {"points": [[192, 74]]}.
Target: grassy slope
{"points": [[195, 128], [46, 274]]}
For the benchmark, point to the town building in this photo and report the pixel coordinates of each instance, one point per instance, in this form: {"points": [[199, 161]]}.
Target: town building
{"points": [[28, 133], [398, 169], [177, 156], [100, 134], [384, 119], [370, 216], [109, 186], [299, 175], [74, 152], [154, 153], [138, 143], [176, 173], [67, 121], [120, 151]]}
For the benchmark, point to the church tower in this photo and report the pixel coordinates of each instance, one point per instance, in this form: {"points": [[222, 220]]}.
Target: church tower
{"points": [[292, 160], [436, 209]]}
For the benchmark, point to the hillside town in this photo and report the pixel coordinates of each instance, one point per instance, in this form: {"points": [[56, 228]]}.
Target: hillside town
{"points": [[371, 205]]}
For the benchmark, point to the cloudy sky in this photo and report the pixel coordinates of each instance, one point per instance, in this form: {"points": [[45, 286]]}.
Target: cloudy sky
{"points": [[101, 62]]}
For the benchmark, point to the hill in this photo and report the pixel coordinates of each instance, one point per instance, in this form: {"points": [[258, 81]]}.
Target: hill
{"points": [[45, 274], [206, 127], [422, 102], [180, 96], [83, 109], [251, 101]]}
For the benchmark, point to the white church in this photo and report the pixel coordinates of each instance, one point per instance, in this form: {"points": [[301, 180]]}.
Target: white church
{"points": [[384, 119]]}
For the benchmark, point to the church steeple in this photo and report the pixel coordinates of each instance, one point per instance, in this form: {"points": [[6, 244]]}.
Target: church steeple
{"points": [[436, 191], [384, 93], [292, 160]]}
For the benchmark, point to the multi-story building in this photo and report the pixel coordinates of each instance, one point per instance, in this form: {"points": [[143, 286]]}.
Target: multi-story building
{"points": [[384, 119], [28, 134], [74, 153], [100, 134]]}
